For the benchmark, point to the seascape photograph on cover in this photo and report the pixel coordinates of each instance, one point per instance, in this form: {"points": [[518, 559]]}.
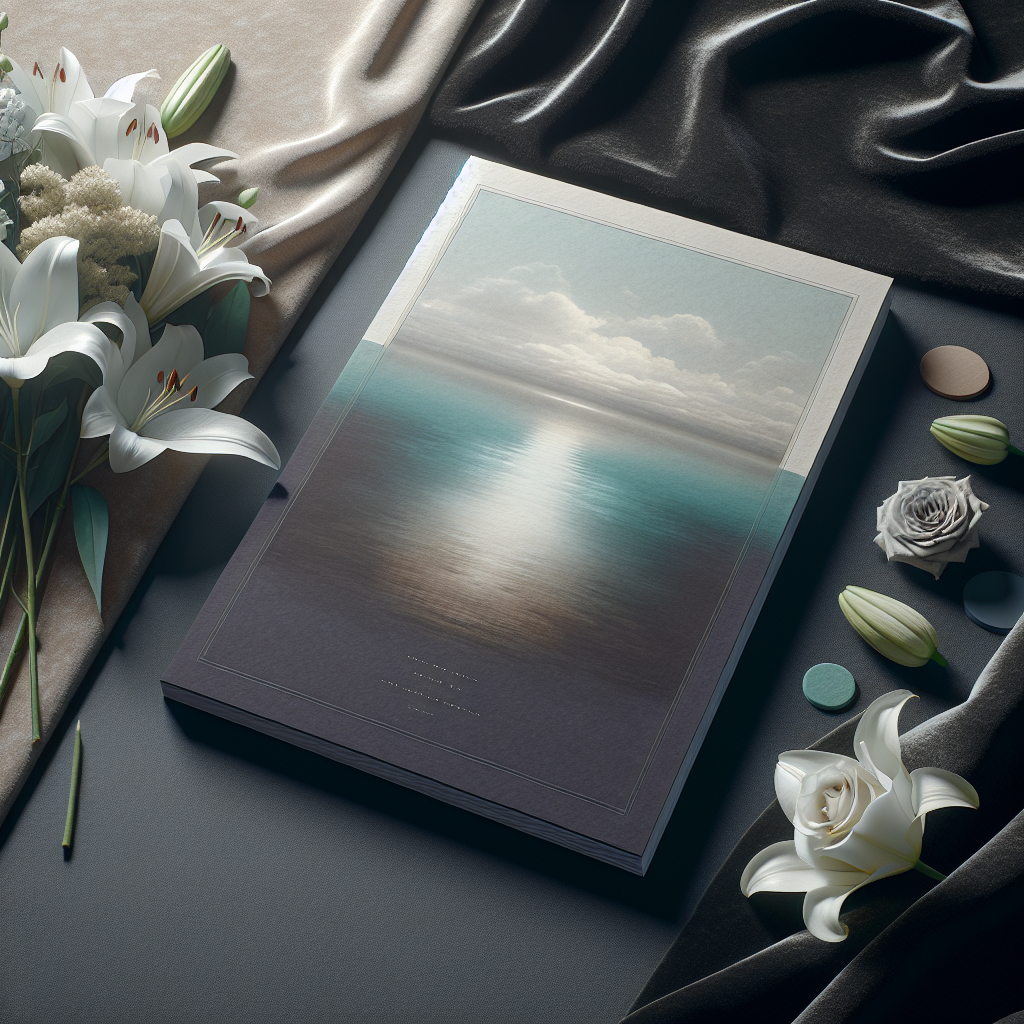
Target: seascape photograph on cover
{"points": [[533, 510]]}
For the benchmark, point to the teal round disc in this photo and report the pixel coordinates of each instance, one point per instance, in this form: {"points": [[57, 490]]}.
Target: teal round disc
{"points": [[829, 687], [995, 600]]}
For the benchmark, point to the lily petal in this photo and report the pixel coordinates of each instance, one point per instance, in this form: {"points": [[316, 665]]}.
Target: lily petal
{"points": [[215, 378], [67, 337], [201, 152], [112, 313], [179, 348], [142, 186], [134, 312], [822, 906], [128, 451], [935, 788], [32, 87], [45, 292], [174, 267], [227, 215], [70, 84], [821, 912], [778, 868], [101, 414], [124, 88], [71, 141], [179, 274], [877, 740], [182, 201], [216, 433], [882, 836]]}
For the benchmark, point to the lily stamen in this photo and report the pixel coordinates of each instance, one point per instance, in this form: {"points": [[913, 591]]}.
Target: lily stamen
{"points": [[211, 241], [167, 397]]}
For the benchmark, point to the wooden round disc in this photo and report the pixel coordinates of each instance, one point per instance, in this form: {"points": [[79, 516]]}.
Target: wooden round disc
{"points": [[955, 372]]}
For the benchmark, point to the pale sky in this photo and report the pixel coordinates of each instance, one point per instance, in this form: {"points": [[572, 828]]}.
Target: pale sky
{"points": [[628, 322]]}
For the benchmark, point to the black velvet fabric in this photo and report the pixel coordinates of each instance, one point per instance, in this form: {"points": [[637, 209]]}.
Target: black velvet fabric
{"points": [[945, 953], [883, 134]]}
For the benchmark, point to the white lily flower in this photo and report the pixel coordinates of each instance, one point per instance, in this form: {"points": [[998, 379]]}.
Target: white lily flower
{"points": [[181, 271], [76, 122], [39, 311], [122, 136], [855, 821], [165, 398]]}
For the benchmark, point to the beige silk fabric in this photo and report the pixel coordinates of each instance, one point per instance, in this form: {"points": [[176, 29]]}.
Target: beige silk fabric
{"points": [[319, 102]]}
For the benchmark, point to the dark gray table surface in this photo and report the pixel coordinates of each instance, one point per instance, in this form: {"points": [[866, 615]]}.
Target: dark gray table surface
{"points": [[221, 875]]}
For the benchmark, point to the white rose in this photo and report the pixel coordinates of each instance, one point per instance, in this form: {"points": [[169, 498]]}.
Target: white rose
{"points": [[854, 821], [930, 522]]}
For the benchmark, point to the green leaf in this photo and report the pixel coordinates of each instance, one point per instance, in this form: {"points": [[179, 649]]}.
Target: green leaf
{"points": [[52, 463], [193, 312], [92, 523], [228, 322], [46, 425]]}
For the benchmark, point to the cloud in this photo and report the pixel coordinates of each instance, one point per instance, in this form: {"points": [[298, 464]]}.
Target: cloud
{"points": [[526, 325]]}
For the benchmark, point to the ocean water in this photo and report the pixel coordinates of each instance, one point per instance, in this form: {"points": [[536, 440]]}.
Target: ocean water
{"points": [[513, 518], [493, 569]]}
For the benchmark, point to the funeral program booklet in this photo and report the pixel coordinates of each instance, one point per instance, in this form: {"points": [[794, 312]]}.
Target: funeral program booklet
{"points": [[514, 559]]}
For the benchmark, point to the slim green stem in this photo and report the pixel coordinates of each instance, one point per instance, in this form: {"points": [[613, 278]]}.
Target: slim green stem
{"points": [[930, 872], [940, 659], [19, 637], [30, 571], [1014, 451], [98, 461], [76, 772]]}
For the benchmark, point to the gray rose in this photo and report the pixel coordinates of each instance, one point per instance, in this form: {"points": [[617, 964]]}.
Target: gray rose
{"points": [[930, 523]]}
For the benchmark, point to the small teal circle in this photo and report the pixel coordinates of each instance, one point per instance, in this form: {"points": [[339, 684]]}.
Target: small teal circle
{"points": [[995, 600], [829, 687]]}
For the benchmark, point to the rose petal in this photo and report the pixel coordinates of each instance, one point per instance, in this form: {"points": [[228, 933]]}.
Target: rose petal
{"points": [[791, 768]]}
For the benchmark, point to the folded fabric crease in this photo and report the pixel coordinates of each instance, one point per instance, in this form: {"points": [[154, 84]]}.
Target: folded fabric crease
{"points": [[888, 135]]}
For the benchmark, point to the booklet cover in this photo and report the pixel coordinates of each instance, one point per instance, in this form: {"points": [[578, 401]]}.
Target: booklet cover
{"points": [[514, 559]]}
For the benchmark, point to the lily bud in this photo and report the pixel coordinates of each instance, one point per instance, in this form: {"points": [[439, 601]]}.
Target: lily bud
{"points": [[5, 64], [893, 628], [192, 93], [247, 197], [979, 439], [3, 20]]}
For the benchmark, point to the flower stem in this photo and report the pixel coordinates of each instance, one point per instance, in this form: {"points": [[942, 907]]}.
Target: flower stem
{"points": [[930, 872], [76, 771], [19, 637], [940, 659], [30, 571], [1014, 451], [98, 461]]}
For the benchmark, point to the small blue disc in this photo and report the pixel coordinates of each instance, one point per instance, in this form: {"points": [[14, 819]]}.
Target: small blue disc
{"points": [[995, 600], [829, 687]]}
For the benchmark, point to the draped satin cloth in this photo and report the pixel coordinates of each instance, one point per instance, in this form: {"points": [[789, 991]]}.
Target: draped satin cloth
{"points": [[883, 134], [321, 99]]}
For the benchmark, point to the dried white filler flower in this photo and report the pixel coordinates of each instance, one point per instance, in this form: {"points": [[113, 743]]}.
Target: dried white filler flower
{"points": [[88, 207]]}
